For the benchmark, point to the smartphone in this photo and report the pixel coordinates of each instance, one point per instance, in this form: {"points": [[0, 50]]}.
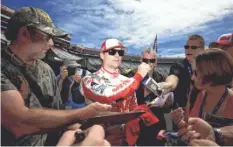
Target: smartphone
{"points": [[152, 85]]}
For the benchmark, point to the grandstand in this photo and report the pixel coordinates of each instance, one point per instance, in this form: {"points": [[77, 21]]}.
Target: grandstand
{"points": [[87, 57]]}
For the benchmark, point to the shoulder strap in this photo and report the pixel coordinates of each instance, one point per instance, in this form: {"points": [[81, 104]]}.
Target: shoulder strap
{"points": [[32, 83], [5, 66]]}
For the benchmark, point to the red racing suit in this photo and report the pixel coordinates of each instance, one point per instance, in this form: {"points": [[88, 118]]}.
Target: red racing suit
{"points": [[119, 91], [111, 88]]}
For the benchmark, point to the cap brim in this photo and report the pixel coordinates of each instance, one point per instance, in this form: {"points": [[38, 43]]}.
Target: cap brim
{"points": [[59, 33], [74, 65], [117, 46], [55, 32], [223, 43]]}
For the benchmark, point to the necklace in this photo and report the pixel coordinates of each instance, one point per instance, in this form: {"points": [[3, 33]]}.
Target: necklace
{"points": [[216, 108]]}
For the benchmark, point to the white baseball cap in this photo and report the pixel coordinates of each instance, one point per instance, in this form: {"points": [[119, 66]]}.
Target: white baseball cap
{"points": [[110, 44], [225, 39]]}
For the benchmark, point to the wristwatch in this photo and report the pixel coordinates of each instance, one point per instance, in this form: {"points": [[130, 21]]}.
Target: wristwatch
{"points": [[219, 138]]}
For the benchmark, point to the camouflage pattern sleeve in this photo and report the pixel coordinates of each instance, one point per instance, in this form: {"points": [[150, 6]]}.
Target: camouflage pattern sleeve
{"points": [[6, 84]]}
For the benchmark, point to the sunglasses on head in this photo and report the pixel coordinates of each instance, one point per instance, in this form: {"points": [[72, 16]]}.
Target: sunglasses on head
{"points": [[114, 51], [148, 60], [192, 47]]}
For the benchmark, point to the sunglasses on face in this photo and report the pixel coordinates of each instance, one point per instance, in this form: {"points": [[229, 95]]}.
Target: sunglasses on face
{"points": [[33, 29], [148, 60], [47, 36], [112, 52], [192, 47]]}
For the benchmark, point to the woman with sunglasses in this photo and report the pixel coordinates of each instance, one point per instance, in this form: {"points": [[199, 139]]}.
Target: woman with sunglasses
{"points": [[212, 70]]}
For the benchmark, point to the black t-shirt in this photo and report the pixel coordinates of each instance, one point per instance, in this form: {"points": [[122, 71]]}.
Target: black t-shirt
{"points": [[148, 134], [183, 71]]}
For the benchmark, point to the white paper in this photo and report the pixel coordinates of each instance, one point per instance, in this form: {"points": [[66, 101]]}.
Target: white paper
{"points": [[160, 101]]}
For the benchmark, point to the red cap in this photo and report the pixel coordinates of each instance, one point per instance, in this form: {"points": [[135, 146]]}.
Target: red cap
{"points": [[110, 44], [225, 39]]}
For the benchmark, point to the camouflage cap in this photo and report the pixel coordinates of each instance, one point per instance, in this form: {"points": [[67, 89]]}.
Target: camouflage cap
{"points": [[35, 17]]}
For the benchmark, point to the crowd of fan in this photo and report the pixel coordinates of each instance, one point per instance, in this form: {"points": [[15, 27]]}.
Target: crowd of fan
{"points": [[47, 109]]}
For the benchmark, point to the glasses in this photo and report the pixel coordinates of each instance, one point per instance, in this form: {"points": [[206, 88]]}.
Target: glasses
{"points": [[33, 29], [192, 47], [112, 52], [48, 36], [148, 60]]}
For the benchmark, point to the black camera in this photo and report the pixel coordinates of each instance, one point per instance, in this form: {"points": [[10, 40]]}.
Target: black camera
{"points": [[71, 71]]}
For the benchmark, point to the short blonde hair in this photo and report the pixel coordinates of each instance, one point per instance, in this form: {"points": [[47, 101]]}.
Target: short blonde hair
{"points": [[148, 50], [215, 66]]}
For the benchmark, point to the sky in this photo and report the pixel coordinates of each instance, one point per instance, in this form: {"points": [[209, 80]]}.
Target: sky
{"points": [[136, 22]]}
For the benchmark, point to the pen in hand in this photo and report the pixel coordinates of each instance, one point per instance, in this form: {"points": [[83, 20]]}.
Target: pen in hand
{"points": [[80, 136]]}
